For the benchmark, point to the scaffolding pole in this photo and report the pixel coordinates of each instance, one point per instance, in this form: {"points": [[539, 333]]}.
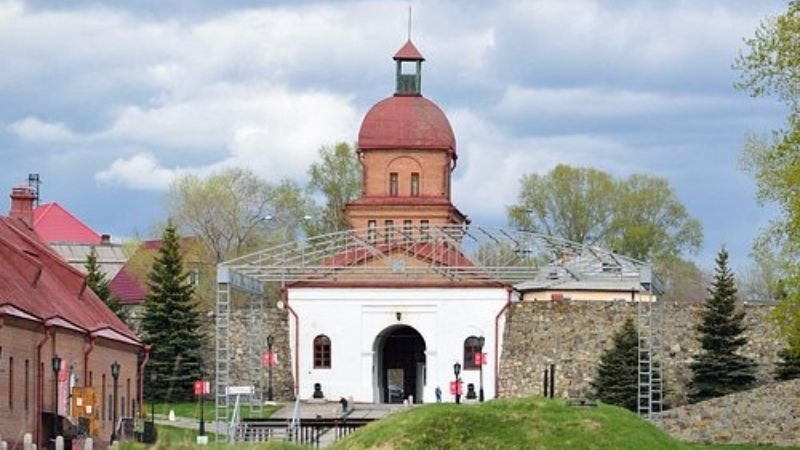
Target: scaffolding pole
{"points": [[650, 381], [222, 354]]}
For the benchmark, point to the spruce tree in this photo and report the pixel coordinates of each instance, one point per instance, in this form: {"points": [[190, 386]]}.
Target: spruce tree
{"points": [[718, 369], [617, 376], [171, 324], [788, 367], [96, 281]]}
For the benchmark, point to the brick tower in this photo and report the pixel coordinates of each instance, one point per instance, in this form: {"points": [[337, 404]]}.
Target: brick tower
{"points": [[408, 152]]}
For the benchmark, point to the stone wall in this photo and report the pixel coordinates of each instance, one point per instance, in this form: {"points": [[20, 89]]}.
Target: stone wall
{"points": [[245, 365], [573, 335], [766, 415]]}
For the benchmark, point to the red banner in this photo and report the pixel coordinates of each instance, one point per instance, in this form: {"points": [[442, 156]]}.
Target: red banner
{"points": [[270, 359], [479, 359], [456, 387], [202, 387]]}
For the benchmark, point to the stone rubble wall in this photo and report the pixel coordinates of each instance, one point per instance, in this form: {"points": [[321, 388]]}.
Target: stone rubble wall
{"points": [[573, 335], [766, 415], [245, 366]]}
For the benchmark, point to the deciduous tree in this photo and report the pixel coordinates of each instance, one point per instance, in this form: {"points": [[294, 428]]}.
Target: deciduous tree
{"points": [[639, 216], [769, 66], [338, 176], [234, 211]]}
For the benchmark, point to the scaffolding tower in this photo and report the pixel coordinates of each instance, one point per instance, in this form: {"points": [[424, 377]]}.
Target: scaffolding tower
{"points": [[650, 309]]}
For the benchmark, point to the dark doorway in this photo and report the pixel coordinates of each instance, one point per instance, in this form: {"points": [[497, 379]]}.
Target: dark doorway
{"points": [[401, 364]]}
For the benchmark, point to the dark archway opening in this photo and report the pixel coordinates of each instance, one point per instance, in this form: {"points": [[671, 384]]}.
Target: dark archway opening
{"points": [[401, 364]]}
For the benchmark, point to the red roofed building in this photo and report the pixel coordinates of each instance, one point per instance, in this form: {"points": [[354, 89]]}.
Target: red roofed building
{"points": [[130, 287], [394, 337], [47, 311], [408, 151], [53, 223]]}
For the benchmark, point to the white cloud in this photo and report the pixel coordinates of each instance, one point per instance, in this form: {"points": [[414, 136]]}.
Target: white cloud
{"points": [[140, 171], [35, 130], [492, 161], [593, 102]]}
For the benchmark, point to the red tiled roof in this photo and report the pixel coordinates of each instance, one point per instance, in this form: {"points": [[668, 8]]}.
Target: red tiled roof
{"points": [[406, 122], [36, 280], [55, 224], [127, 288], [130, 287], [408, 52]]}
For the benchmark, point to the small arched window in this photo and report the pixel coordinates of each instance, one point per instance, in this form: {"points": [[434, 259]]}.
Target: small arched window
{"points": [[472, 347], [322, 352]]}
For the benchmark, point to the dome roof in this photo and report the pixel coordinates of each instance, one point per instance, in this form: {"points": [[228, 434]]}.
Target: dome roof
{"points": [[406, 122]]}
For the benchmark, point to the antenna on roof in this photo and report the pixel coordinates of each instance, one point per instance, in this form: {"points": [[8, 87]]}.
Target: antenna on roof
{"points": [[34, 182], [409, 22]]}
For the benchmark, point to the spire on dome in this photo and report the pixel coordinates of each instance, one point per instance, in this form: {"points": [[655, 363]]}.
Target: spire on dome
{"points": [[409, 70]]}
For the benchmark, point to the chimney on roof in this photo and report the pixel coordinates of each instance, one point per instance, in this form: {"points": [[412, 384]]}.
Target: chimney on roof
{"points": [[22, 198], [105, 239]]}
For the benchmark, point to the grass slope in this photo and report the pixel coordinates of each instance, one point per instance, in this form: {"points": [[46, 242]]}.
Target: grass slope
{"points": [[532, 424]]}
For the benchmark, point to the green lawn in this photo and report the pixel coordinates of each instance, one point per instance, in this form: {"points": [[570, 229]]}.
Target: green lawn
{"points": [[192, 410], [531, 424]]}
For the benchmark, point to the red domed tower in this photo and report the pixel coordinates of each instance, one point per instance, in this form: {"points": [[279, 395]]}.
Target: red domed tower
{"points": [[408, 151]]}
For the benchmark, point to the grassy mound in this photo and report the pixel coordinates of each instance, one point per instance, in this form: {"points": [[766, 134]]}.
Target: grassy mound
{"points": [[531, 424]]}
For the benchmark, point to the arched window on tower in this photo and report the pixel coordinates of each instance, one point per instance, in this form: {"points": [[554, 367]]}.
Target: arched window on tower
{"points": [[394, 182], [471, 348], [322, 352]]}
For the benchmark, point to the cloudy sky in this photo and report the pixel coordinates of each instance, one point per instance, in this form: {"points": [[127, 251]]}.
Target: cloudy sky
{"points": [[108, 101]]}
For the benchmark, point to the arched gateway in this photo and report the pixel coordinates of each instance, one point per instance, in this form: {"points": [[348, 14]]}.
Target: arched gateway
{"points": [[399, 365]]}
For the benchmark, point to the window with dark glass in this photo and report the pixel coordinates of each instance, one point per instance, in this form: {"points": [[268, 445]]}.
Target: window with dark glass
{"points": [[424, 226], [389, 231], [393, 187], [322, 352], [371, 231], [471, 348], [415, 184], [407, 225]]}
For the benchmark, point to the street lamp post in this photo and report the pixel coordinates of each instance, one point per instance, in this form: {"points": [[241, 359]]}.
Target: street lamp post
{"points": [[153, 379], [115, 376], [270, 342], [481, 341], [202, 409], [456, 372], [56, 368]]}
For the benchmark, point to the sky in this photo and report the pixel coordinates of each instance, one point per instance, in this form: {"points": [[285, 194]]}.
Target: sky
{"points": [[109, 101]]}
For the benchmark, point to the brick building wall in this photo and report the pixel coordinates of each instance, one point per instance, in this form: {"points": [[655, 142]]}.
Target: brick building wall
{"points": [[23, 385]]}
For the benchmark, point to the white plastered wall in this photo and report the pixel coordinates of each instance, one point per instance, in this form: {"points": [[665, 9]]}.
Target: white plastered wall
{"points": [[354, 317]]}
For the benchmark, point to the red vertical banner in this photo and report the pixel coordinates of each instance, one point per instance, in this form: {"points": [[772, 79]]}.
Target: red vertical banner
{"points": [[456, 387], [269, 358], [479, 359], [202, 387]]}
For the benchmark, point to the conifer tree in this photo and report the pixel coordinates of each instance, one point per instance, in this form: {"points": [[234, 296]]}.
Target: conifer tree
{"points": [[617, 375], [788, 367], [96, 281], [171, 324], [718, 369]]}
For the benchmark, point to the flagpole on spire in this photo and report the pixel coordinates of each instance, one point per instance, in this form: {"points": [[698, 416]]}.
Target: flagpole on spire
{"points": [[409, 22]]}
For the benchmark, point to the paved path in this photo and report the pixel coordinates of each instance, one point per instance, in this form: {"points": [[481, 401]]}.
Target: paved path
{"points": [[308, 410]]}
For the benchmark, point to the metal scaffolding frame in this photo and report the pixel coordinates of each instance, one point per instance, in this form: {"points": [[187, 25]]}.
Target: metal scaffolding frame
{"points": [[460, 254]]}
